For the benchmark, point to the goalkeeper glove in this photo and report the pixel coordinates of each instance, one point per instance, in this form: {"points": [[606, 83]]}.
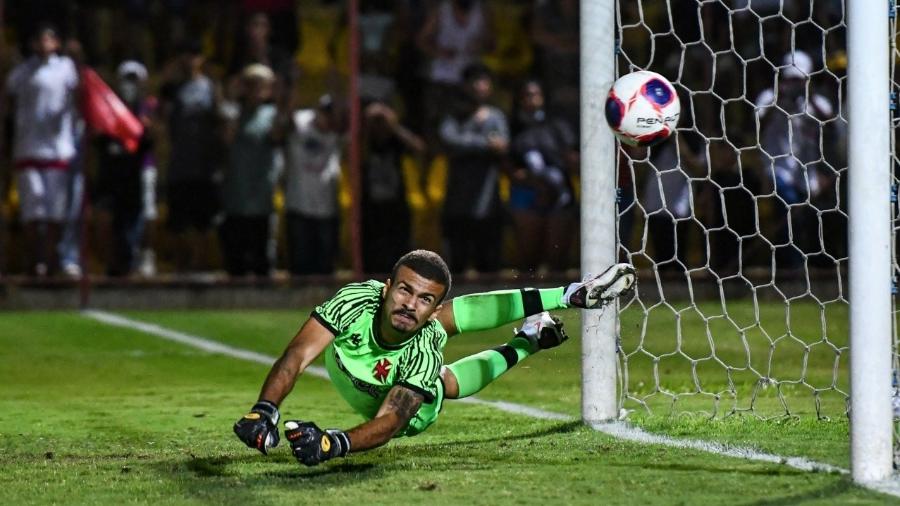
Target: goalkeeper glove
{"points": [[259, 428], [543, 331], [311, 445]]}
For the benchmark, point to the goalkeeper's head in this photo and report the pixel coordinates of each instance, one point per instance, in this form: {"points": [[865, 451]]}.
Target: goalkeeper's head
{"points": [[427, 264], [419, 282]]}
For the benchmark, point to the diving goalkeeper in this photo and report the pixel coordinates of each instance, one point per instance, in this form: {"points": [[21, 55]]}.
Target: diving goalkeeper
{"points": [[383, 345]]}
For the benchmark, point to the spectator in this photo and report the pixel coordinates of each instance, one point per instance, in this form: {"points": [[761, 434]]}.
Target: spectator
{"points": [[127, 180], [249, 180], [555, 32], [386, 216], [791, 139], [476, 138], [69, 247], [189, 107], [667, 201], [258, 48], [312, 168], [455, 35], [42, 90], [542, 198]]}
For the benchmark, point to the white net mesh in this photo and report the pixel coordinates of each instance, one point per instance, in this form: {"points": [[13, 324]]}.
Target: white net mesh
{"points": [[738, 222]]}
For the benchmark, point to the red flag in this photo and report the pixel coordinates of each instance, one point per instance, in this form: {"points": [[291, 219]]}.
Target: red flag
{"points": [[105, 113]]}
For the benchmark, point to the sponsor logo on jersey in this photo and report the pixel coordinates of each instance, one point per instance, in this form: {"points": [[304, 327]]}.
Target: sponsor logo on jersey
{"points": [[356, 339], [382, 369], [374, 391]]}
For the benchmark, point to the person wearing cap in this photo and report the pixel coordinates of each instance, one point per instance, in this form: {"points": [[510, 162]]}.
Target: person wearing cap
{"points": [[41, 94], [250, 173], [126, 181], [791, 129], [313, 143]]}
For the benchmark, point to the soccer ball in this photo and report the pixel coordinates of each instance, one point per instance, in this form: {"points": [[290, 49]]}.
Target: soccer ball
{"points": [[642, 108]]}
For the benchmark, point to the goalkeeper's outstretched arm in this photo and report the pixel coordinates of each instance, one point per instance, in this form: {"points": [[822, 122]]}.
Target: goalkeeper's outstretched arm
{"points": [[312, 445], [305, 347], [259, 428]]}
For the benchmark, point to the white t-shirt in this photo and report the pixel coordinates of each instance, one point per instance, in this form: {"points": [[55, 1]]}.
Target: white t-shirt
{"points": [[312, 168], [791, 138], [44, 107]]}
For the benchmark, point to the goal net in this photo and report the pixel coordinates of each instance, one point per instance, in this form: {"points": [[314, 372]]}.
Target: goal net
{"points": [[737, 223]]}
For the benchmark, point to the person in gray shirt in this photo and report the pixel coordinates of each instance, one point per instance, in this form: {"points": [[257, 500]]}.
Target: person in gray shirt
{"points": [[475, 138]]}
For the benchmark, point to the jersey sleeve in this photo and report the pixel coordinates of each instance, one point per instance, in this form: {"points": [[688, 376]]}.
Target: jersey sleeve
{"points": [[421, 364], [349, 303]]}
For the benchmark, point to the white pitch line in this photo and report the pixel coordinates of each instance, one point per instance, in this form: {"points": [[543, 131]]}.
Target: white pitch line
{"points": [[619, 430]]}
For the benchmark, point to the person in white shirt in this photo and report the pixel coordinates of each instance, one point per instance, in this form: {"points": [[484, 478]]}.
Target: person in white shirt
{"points": [[42, 92], [312, 156], [791, 130]]}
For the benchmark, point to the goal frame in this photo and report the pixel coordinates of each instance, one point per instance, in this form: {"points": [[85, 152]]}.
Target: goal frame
{"points": [[869, 227]]}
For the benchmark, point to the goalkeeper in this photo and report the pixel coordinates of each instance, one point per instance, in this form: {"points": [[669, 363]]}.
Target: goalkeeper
{"points": [[383, 345]]}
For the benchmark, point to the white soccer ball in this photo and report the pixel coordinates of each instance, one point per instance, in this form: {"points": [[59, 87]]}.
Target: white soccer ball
{"points": [[642, 108]]}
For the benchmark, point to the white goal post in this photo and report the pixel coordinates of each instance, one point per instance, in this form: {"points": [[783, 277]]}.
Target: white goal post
{"points": [[763, 327]]}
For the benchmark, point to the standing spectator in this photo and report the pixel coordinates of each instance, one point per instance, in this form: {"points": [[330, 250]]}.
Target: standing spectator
{"points": [[69, 247], [126, 180], [257, 47], [312, 168], [791, 139], [555, 32], [42, 90], [385, 215], [249, 182], [476, 137], [542, 198], [667, 201], [455, 35], [189, 107]]}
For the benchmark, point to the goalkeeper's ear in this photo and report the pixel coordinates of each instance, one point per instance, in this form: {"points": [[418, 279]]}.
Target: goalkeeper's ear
{"points": [[436, 312]]}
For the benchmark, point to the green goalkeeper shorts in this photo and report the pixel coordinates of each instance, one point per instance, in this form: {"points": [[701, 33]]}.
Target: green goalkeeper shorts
{"points": [[427, 414]]}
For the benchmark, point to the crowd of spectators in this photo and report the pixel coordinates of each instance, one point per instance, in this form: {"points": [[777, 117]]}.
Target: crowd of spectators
{"points": [[469, 121]]}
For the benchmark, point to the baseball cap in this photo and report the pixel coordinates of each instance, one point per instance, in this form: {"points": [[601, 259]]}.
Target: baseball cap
{"points": [[132, 68]]}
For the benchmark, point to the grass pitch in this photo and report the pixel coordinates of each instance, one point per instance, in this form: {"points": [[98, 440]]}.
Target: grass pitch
{"points": [[91, 414]]}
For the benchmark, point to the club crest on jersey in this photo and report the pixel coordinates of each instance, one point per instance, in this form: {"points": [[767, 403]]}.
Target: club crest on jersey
{"points": [[382, 369]]}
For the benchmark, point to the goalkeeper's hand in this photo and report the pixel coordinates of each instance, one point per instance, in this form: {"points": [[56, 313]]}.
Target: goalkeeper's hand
{"points": [[259, 428], [312, 445]]}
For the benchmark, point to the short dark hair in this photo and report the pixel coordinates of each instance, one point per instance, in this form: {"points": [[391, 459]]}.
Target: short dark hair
{"points": [[44, 27], [427, 264]]}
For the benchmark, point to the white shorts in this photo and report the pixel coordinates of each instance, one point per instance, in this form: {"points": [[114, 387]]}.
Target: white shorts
{"points": [[43, 194]]}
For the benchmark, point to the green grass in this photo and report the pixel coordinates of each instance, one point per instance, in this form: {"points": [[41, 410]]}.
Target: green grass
{"points": [[91, 414]]}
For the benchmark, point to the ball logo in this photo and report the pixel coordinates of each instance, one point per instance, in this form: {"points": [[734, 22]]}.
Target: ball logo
{"points": [[326, 443]]}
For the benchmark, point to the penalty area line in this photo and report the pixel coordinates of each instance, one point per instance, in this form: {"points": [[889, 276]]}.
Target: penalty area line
{"points": [[618, 430]]}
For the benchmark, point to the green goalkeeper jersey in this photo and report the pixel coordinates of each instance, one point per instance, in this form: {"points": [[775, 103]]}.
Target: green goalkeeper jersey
{"points": [[361, 365]]}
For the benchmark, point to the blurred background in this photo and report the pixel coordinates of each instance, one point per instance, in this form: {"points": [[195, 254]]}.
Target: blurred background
{"points": [[283, 138]]}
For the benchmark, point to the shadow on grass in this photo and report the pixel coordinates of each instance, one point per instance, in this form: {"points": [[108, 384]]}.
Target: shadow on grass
{"points": [[223, 466], [561, 428], [772, 470], [832, 493]]}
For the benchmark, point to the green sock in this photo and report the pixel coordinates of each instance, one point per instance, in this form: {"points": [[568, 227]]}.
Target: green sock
{"points": [[482, 311], [476, 371]]}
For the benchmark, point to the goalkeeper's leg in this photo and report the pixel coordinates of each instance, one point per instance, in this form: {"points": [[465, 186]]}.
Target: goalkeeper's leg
{"points": [[482, 311], [469, 375]]}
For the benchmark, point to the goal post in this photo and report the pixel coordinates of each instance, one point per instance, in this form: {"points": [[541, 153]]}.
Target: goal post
{"points": [[599, 401], [869, 164], [761, 229]]}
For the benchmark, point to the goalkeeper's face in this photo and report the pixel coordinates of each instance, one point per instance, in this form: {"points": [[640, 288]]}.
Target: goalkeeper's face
{"points": [[410, 301]]}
